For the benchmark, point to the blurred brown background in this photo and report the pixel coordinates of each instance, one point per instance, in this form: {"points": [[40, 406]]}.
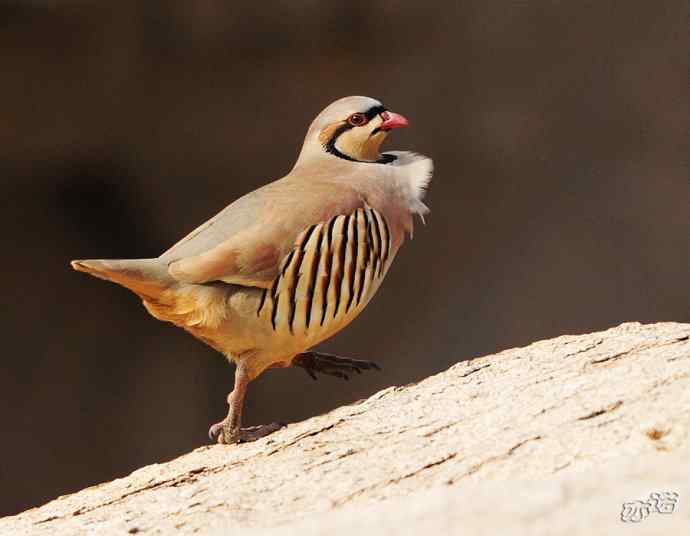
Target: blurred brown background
{"points": [[560, 201]]}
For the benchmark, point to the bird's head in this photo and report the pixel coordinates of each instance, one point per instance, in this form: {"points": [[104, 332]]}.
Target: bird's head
{"points": [[352, 129]]}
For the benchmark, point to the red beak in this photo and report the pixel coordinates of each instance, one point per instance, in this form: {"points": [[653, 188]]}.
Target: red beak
{"points": [[392, 120]]}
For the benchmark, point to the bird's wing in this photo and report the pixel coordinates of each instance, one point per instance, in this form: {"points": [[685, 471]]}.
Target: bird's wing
{"points": [[246, 243]]}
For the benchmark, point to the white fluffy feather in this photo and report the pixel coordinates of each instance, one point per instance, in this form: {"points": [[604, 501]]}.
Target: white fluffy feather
{"points": [[412, 173]]}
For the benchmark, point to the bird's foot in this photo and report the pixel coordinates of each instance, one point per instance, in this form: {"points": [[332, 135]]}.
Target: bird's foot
{"points": [[223, 434], [332, 365]]}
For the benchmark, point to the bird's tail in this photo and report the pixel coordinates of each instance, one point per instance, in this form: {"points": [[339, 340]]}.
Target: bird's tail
{"points": [[146, 277]]}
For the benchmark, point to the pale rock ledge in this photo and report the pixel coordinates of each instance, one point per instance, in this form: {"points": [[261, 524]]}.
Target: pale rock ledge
{"points": [[551, 438]]}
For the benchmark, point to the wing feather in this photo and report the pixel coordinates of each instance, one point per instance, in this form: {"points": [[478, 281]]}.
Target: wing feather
{"points": [[247, 243]]}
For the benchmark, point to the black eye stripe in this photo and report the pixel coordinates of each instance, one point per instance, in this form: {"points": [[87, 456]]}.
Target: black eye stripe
{"points": [[374, 111]]}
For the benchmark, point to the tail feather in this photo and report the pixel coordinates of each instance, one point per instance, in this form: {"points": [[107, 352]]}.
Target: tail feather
{"points": [[146, 277]]}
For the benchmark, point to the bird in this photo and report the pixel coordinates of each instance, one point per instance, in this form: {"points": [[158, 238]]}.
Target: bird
{"points": [[290, 264]]}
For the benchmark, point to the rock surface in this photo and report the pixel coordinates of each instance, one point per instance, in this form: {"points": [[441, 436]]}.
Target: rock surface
{"points": [[552, 437]]}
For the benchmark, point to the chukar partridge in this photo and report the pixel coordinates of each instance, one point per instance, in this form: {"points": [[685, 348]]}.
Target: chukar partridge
{"points": [[294, 262]]}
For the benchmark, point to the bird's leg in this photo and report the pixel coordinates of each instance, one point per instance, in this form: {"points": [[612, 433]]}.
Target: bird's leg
{"points": [[333, 365], [229, 430]]}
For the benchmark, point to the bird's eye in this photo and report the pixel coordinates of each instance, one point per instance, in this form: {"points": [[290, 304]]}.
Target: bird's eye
{"points": [[357, 120]]}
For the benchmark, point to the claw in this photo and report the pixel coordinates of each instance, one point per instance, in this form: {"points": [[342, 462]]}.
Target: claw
{"points": [[311, 373], [214, 431]]}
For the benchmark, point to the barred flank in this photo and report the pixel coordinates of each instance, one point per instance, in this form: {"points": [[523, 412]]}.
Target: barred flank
{"points": [[328, 273]]}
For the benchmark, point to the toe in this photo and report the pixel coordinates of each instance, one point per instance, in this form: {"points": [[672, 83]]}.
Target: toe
{"points": [[214, 432], [365, 365], [253, 433], [332, 365]]}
